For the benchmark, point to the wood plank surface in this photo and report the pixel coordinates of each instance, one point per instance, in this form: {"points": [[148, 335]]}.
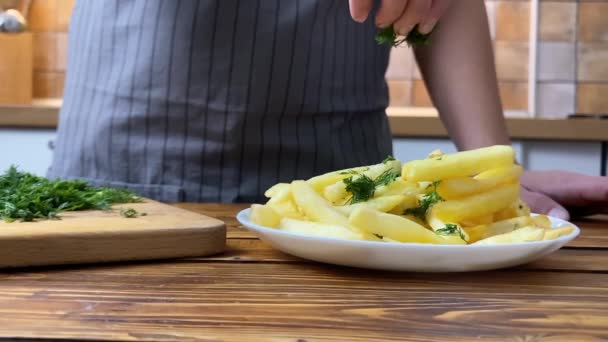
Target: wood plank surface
{"points": [[255, 293], [236, 301], [98, 236]]}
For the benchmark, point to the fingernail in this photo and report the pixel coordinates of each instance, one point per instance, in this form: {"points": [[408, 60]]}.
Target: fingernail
{"points": [[559, 213], [427, 27], [360, 18]]}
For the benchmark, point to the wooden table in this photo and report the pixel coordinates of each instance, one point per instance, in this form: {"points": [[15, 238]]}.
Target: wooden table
{"points": [[253, 293]]}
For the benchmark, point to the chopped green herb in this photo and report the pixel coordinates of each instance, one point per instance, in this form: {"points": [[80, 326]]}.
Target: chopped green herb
{"points": [[349, 172], [425, 203], [363, 187], [388, 159], [25, 197], [386, 178], [129, 213], [389, 37], [450, 229]]}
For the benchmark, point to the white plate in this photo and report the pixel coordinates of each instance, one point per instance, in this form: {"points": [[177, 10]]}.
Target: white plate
{"points": [[413, 257]]}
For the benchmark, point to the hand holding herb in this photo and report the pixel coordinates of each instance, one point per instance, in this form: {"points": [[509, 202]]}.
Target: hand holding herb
{"points": [[412, 19]]}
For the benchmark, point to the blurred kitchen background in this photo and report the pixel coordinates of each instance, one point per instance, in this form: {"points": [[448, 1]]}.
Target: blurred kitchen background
{"points": [[551, 57]]}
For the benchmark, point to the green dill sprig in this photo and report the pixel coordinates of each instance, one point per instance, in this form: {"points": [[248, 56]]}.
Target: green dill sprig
{"points": [[450, 229], [388, 159], [425, 203], [363, 187], [25, 197], [389, 37]]}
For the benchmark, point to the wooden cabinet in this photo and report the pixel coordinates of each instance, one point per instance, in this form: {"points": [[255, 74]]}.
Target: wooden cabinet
{"points": [[16, 69]]}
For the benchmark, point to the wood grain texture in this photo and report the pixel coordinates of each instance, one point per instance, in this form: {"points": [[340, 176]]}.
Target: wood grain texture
{"points": [[100, 236], [16, 60], [235, 301], [254, 293]]}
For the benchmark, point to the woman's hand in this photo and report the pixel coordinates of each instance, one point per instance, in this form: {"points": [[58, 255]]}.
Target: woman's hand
{"points": [[404, 15], [561, 193]]}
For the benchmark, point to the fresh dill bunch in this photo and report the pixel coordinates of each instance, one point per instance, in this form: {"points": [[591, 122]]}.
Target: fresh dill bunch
{"points": [[425, 203], [388, 36], [25, 197], [450, 229], [363, 187]]}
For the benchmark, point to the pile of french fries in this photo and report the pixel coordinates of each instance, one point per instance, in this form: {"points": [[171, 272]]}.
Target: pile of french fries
{"points": [[469, 197]]}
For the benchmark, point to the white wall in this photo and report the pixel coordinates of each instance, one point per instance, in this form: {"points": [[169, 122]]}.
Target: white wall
{"points": [[27, 149]]}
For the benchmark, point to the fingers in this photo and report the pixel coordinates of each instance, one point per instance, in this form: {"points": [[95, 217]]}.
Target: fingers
{"points": [[415, 12], [438, 7], [359, 9], [390, 11], [542, 204]]}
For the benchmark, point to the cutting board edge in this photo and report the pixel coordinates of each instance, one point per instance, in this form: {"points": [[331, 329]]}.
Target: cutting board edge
{"points": [[213, 241]]}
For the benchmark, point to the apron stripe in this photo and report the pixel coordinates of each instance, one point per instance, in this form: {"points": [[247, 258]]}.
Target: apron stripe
{"points": [[210, 59], [186, 126], [263, 124]]}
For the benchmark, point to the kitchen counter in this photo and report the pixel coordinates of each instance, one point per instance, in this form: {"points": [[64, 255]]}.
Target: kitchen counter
{"points": [[405, 122], [253, 293]]}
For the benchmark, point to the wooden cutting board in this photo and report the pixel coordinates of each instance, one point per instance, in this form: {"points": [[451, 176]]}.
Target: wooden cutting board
{"points": [[102, 236]]}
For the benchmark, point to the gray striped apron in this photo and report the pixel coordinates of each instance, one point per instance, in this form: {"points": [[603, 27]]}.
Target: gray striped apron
{"points": [[216, 100]]}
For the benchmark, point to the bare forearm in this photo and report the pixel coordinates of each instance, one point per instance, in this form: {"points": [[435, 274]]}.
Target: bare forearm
{"points": [[458, 68]]}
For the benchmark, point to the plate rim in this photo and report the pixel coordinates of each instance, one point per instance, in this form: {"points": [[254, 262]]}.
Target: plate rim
{"points": [[243, 218]]}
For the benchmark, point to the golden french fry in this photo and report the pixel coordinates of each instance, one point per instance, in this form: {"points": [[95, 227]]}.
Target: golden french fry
{"points": [[275, 189], [287, 209], [554, 233], [463, 187], [478, 205], [264, 216], [336, 193], [525, 234], [320, 182], [475, 233], [392, 226], [398, 187], [314, 206], [384, 204], [280, 193], [516, 209], [461, 164], [457, 236], [485, 231], [542, 221], [477, 221], [319, 229], [407, 203]]}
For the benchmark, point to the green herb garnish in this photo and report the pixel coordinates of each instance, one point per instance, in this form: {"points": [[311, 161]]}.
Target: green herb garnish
{"points": [[25, 197], [425, 203], [129, 213], [363, 188], [389, 37], [450, 229], [388, 159]]}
